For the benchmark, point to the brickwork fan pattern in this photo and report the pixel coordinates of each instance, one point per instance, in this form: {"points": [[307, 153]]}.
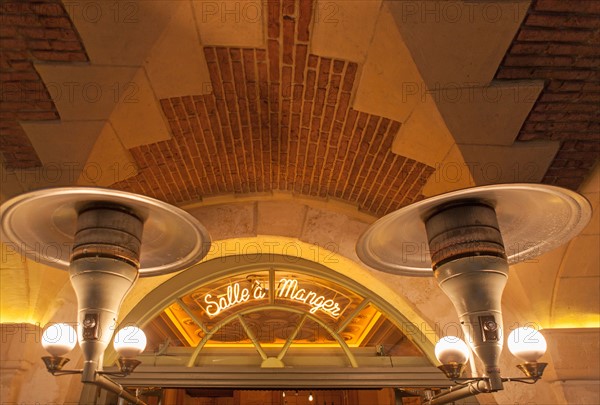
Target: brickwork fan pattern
{"points": [[278, 119]]}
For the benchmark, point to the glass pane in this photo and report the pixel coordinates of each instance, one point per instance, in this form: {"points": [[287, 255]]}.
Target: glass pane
{"points": [[161, 330], [273, 314], [372, 328], [232, 333], [272, 327]]}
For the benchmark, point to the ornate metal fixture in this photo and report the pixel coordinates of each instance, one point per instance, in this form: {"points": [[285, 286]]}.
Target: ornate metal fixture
{"points": [[106, 239], [466, 239]]}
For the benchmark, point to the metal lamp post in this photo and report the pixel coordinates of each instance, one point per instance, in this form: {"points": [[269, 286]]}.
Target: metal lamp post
{"points": [[106, 239]]}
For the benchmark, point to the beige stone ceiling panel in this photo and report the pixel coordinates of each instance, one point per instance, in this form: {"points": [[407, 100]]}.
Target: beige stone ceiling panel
{"points": [[137, 118], [450, 174], [522, 162], [175, 64], [424, 136], [60, 142], [458, 42], [122, 95], [491, 115], [445, 96], [63, 147], [232, 22], [49, 289], [83, 93], [10, 182], [120, 33], [160, 35], [52, 175], [72, 152], [331, 231], [593, 227], [393, 87], [108, 161], [344, 29], [387, 86]]}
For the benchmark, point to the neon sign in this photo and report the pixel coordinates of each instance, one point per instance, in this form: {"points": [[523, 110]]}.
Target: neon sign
{"points": [[288, 289], [234, 295]]}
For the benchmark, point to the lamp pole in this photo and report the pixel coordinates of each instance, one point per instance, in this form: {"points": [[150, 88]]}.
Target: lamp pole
{"points": [[464, 249], [103, 268], [105, 228], [470, 266]]}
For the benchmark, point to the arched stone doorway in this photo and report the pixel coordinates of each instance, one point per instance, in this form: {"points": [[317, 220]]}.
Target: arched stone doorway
{"points": [[280, 322]]}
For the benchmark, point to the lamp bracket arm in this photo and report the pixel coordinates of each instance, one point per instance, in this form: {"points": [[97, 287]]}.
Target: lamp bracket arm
{"points": [[113, 373], [460, 392], [525, 380], [58, 373], [109, 385]]}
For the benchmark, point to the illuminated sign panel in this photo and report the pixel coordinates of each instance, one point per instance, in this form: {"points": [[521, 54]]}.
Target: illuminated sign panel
{"points": [[275, 307], [319, 298]]}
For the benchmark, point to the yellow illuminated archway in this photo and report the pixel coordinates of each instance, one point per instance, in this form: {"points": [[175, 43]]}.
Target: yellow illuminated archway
{"points": [[215, 270]]}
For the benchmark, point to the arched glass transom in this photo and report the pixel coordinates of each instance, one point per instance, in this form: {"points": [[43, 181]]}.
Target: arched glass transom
{"points": [[273, 311]]}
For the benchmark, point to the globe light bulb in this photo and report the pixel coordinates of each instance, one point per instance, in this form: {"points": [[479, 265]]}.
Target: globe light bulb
{"points": [[310, 397], [527, 344], [59, 339], [130, 341], [451, 349]]}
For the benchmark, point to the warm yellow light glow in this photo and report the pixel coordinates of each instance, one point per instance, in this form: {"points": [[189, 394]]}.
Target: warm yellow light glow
{"points": [[286, 246], [576, 320], [30, 292], [59, 339], [277, 345], [130, 341], [366, 331], [290, 247], [527, 344], [191, 339], [451, 349]]}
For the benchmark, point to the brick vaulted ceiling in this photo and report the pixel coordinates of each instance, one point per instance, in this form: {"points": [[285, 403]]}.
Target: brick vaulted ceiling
{"points": [[280, 118]]}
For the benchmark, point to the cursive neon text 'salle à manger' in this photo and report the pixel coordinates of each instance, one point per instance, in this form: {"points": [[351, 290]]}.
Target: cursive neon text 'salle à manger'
{"points": [[286, 289]]}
